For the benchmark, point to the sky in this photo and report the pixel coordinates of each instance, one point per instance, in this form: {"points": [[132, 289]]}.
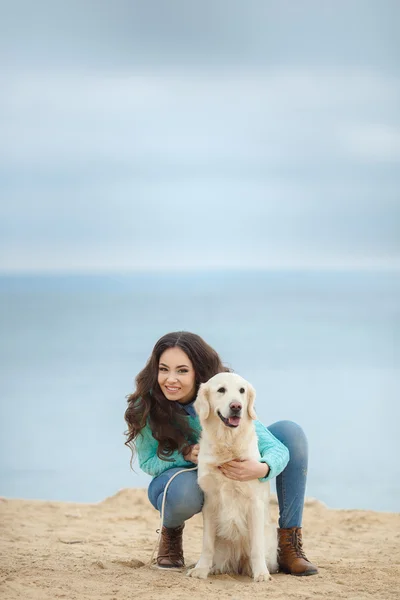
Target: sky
{"points": [[181, 135]]}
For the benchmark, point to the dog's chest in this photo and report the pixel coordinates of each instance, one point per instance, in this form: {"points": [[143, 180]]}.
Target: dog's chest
{"points": [[220, 489], [231, 503]]}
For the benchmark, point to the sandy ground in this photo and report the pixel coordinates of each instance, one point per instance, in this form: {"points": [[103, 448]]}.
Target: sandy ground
{"points": [[101, 551]]}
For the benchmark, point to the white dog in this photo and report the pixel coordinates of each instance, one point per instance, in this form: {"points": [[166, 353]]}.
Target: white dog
{"points": [[238, 536]]}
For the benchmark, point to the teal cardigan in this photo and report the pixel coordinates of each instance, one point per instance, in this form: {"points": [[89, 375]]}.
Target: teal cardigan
{"points": [[272, 451]]}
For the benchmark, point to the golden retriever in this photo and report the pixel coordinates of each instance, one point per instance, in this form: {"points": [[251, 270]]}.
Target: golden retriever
{"points": [[238, 536]]}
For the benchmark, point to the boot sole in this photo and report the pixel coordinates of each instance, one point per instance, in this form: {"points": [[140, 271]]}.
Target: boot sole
{"points": [[306, 574], [168, 568]]}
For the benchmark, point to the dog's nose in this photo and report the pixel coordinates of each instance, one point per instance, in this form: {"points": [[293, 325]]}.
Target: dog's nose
{"points": [[235, 407]]}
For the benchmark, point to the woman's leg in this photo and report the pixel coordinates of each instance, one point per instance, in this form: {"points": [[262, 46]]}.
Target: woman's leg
{"points": [[291, 483], [291, 488], [184, 497]]}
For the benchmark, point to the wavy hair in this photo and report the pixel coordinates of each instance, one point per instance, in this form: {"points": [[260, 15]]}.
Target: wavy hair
{"points": [[166, 419]]}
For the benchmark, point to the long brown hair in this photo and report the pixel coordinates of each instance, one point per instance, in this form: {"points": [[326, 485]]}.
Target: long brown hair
{"points": [[167, 420]]}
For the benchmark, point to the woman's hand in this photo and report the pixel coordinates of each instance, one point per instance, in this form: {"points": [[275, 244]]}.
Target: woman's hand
{"points": [[244, 470], [192, 453]]}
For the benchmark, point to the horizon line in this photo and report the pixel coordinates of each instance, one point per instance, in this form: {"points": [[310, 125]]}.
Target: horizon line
{"points": [[186, 270]]}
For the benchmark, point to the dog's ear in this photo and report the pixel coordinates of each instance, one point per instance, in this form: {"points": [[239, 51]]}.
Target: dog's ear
{"points": [[202, 404], [251, 396]]}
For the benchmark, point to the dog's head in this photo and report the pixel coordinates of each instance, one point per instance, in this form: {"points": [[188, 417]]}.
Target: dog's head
{"points": [[227, 397]]}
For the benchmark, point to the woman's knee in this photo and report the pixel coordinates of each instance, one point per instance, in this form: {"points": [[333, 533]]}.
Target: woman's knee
{"points": [[292, 436]]}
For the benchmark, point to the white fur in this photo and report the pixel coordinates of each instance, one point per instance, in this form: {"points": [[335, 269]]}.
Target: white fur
{"points": [[238, 536]]}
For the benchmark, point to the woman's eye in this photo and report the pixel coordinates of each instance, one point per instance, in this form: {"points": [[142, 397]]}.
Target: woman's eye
{"points": [[221, 390], [242, 390], [162, 369], [183, 371]]}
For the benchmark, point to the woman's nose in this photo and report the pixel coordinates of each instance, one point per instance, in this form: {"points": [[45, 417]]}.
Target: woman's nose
{"points": [[172, 377]]}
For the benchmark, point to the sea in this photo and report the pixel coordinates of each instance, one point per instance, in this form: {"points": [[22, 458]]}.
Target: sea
{"points": [[321, 348]]}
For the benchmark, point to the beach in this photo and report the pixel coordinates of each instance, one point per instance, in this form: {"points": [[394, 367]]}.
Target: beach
{"points": [[102, 551]]}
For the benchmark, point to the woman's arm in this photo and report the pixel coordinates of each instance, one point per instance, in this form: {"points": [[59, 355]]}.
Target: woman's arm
{"points": [[149, 462], [272, 451], [274, 458]]}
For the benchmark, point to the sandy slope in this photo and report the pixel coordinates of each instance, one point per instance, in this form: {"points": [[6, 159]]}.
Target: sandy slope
{"points": [[100, 551]]}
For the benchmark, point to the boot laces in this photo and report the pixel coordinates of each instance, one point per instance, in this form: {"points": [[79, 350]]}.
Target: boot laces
{"points": [[297, 545], [175, 549], [174, 537], [176, 544]]}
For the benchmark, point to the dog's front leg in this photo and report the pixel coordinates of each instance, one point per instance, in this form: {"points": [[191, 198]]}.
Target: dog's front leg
{"points": [[203, 567], [257, 543]]}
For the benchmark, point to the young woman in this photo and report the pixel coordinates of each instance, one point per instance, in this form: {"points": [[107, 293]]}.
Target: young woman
{"points": [[164, 430]]}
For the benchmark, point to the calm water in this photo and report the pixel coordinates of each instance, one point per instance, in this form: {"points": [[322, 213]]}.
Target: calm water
{"points": [[321, 349]]}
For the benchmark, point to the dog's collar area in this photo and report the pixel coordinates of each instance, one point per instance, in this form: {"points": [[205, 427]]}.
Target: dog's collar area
{"points": [[226, 421]]}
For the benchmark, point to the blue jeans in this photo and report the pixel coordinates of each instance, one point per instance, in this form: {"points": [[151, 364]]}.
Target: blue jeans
{"points": [[185, 498]]}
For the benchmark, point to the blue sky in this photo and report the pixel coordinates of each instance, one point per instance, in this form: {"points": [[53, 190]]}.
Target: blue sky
{"points": [[148, 135]]}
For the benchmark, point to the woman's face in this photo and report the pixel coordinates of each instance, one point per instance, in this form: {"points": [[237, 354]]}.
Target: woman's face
{"points": [[176, 376]]}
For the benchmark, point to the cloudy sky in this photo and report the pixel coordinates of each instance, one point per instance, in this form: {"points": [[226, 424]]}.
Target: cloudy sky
{"points": [[175, 134]]}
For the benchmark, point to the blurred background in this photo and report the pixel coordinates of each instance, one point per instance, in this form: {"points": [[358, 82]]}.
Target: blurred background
{"points": [[222, 167]]}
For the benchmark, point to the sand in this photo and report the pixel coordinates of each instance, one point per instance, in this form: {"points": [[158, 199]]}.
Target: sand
{"points": [[101, 551]]}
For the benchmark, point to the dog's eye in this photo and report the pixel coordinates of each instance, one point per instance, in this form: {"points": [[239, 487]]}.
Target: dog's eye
{"points": [[222, 390], [242, 390]]}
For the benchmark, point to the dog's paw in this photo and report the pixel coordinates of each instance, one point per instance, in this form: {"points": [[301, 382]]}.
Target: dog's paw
{"points": [[198, 573], [262, 577], [215, 571], [273, 567]]}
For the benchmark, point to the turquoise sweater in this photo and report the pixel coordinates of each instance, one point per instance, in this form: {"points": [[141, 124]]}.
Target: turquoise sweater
{"points": [[272, 451]]}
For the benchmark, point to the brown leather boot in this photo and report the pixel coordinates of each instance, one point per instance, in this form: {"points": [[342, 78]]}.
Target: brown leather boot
{"points": [[170, 552], [291, 557]]}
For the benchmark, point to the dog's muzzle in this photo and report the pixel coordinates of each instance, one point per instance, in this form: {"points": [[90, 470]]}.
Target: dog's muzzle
{"points": [[232, 421]]}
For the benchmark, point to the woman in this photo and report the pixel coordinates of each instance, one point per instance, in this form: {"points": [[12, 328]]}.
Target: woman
{"points": [[164, 430]]}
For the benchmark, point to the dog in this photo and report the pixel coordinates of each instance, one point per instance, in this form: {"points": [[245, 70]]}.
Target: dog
{"points": [[238, 537]]}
